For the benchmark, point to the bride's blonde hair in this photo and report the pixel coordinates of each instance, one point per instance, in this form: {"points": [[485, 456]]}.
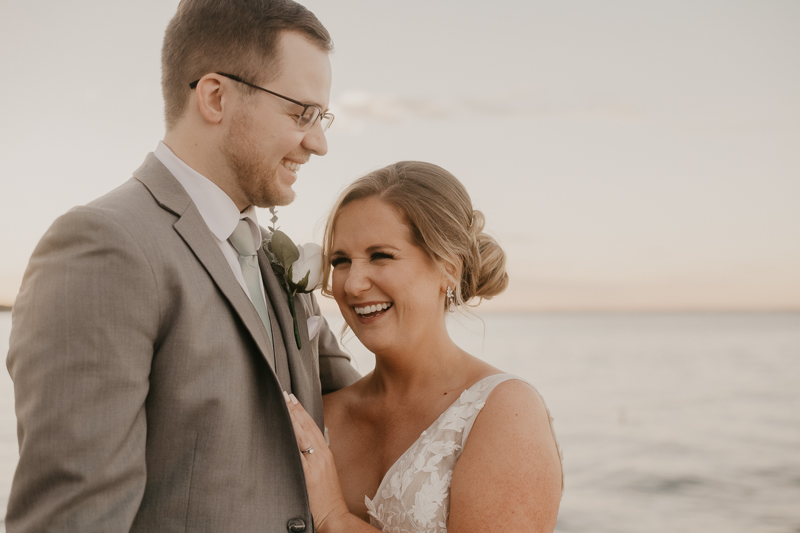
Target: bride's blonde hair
{"points": [[439, 213]]}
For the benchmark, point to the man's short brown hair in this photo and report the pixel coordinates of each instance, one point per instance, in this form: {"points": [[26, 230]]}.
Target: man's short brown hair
{"points": [[238, 37]]}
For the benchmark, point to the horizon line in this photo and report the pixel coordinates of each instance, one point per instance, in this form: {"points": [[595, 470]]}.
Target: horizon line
{"points": [[497, 310]]}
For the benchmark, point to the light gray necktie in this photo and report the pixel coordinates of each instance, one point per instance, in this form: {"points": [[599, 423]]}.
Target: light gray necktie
{"points": [[242, 240]]}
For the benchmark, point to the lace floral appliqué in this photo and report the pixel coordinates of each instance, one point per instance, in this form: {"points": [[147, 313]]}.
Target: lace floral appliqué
{"points": [[414, 496]]}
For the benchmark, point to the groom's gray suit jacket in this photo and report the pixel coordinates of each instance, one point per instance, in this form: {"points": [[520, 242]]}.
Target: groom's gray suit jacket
{"points": [[144, 399]]}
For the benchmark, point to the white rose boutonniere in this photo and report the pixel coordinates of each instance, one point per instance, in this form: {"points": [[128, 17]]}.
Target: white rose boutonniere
{"points": [[307, 269], [299, 269]]}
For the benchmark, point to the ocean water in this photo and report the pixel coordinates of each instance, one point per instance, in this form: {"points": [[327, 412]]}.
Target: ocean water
{"points": [[668, 422]]}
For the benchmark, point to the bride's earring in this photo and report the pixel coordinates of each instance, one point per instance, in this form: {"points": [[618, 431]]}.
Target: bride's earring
{"points": [[451, 298]]}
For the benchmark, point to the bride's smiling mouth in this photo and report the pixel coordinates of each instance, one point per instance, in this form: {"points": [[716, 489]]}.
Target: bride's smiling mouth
{"points": [[372, 311]]}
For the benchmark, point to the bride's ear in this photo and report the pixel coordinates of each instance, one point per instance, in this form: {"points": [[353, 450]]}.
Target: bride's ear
{"points": [[449, 275]]}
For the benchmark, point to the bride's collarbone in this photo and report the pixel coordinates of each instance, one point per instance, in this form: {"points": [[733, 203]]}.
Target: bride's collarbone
{"points": [[378, 428], [408, 413], [385, 432]]}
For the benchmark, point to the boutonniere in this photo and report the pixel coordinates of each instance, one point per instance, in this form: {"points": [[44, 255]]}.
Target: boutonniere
{"points": [[299, 268]]}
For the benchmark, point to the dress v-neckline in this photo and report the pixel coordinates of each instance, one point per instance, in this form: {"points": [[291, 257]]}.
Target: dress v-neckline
{"points": [[424, 433]]}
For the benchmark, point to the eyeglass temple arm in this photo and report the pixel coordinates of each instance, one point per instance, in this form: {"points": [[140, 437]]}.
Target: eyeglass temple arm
{"points": [[193, 85], [322, 114]]}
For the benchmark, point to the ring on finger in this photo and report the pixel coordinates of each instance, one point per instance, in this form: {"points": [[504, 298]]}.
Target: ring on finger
{"points": [[310, 450]]}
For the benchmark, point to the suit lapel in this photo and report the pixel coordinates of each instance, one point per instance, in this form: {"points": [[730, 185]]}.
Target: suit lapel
{"points": [[305, 384], [199, 238], [169, 193]]}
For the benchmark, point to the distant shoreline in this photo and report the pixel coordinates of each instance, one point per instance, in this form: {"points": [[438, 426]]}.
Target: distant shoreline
{"points": [[7, 309], [641, 312]]}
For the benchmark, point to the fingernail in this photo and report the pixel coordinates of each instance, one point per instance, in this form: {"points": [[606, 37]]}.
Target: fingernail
{"points": [[286, 397], [294, 400]]}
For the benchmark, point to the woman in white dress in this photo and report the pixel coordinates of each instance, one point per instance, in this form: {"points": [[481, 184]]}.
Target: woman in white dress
{"points": [[404, 247]]}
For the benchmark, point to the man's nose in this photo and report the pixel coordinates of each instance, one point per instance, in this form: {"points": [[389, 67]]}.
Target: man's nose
{"points": [[315, 141]]}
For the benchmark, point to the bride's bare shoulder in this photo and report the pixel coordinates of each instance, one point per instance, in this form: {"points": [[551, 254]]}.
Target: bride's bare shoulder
{"points": [[334, 403], [512, 454], [515, 401]]}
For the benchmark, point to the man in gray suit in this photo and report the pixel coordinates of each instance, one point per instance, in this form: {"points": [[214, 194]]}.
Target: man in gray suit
{"points": [[151, 341]]}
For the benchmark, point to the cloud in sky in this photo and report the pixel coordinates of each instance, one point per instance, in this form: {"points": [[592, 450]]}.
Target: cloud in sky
{"points": [[354, 108], [632, 154]]}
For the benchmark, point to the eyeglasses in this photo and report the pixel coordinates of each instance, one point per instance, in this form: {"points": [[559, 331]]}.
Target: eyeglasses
{"points": [[306, 119]]}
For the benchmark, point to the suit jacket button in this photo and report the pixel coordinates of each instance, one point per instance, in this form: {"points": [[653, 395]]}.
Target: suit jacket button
{"points": [[296, 525]]}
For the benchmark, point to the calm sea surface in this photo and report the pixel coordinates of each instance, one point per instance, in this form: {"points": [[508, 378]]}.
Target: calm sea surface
{"points": [[668, 423]]}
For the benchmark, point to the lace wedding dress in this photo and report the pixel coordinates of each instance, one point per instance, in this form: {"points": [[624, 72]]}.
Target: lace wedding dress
{"points": [[414, 495]]}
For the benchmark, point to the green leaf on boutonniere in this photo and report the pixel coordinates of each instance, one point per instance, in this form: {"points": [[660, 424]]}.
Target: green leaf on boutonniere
{"points": [[284, 256], [283, 248], [278, 269]]}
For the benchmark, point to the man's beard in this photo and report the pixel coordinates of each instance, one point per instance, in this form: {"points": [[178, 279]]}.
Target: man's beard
{"points": [[256, 180]]}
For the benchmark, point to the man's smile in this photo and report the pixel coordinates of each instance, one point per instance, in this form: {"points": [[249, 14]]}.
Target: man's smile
{"points": [[291, 165]]}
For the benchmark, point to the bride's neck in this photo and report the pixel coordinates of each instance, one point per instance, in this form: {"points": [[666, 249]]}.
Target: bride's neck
{"points": [[412, 369]]}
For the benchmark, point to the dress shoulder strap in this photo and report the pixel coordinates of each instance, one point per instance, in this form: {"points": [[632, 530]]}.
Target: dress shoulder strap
{"points": [[486, 386], [482, 390]]}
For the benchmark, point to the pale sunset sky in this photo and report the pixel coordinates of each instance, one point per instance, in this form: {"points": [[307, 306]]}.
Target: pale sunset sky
{"points": [[628, 155]]}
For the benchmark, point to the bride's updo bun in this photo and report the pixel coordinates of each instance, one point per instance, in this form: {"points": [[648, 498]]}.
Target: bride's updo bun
{"points": [[484, 272], [442, 221]]}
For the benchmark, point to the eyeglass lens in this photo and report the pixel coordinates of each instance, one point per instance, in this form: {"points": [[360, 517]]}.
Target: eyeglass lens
{"points": [[311, 114], [308, 117]]}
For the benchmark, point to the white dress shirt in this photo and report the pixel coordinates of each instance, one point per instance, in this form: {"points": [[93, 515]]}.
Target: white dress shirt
{"points": [[217, 209]]}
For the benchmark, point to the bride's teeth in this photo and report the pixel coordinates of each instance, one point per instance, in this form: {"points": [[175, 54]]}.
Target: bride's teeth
{"points": [[370, 309]]}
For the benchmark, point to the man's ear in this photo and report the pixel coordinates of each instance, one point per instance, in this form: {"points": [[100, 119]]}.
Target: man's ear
{"points": [[211, 98]]}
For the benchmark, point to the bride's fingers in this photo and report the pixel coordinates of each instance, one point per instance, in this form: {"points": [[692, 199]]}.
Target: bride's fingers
{"points": [[303, 439], [322, 481], [306, 430]]}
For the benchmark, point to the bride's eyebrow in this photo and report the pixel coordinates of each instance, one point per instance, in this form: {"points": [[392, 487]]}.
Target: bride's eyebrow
{"points": [[370, 250], [379, 247]]}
